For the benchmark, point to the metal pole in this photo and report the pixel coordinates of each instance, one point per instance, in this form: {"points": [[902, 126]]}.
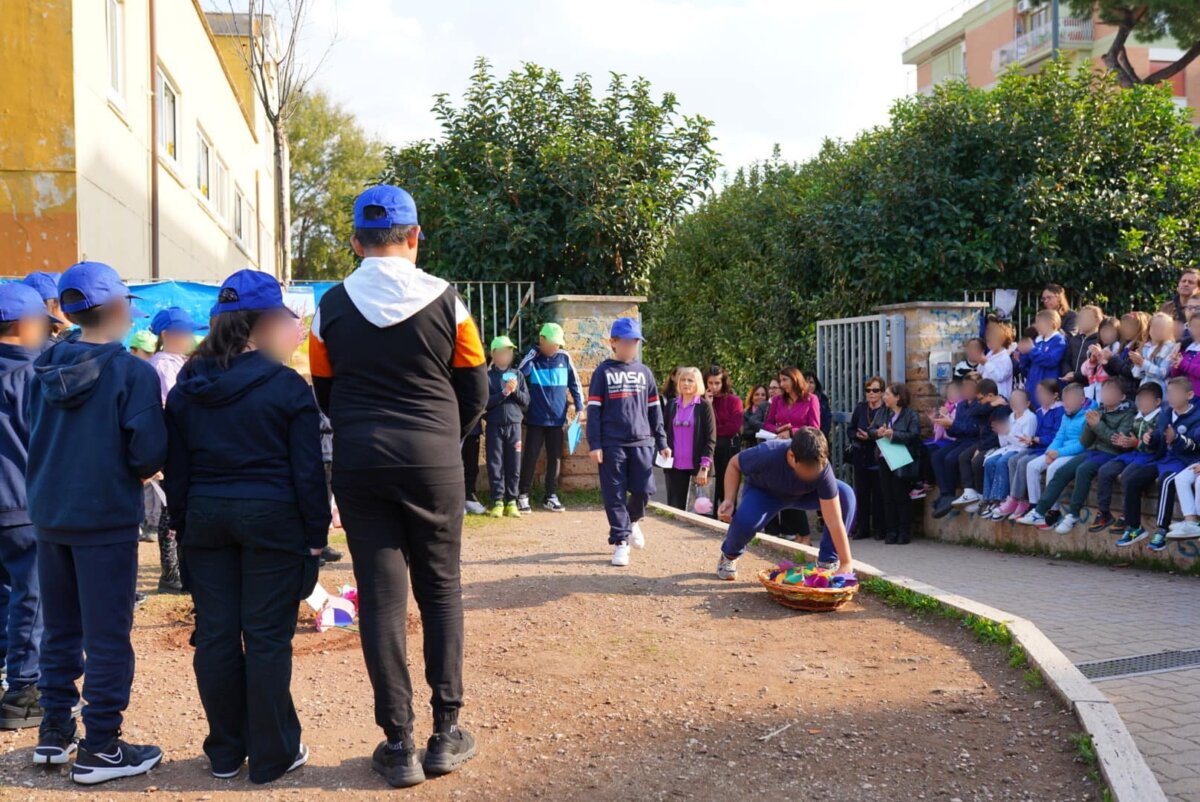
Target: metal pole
{"points": [[1054, 28]]}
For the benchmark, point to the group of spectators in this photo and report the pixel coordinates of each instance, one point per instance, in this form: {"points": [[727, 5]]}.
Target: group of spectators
{"points": [[1080, 398]]}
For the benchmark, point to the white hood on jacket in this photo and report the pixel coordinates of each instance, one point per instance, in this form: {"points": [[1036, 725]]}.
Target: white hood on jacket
{"points": [[390, 289]]}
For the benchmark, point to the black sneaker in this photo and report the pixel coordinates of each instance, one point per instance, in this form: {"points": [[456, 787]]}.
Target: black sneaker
{"points": [[943, 507], [1052, 518], [170, 584], [56, 743], [115, 761], [21, 709], [400, 767], [523, 505], [301, 759], [1102, 522], [448, 751], [331, 555], [554, 505], [139, 599]]}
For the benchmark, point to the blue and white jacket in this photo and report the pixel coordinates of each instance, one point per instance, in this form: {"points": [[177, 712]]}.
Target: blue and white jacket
{"points": [[550, 378], [623, 407], [1186, 445]]}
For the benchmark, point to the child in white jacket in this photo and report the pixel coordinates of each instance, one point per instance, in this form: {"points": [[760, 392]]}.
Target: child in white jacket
{"points": [[1153, 362], [1016, 431]]}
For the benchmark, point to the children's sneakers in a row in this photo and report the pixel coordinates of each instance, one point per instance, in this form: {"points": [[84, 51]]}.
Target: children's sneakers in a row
{"points": [[513, 509]]}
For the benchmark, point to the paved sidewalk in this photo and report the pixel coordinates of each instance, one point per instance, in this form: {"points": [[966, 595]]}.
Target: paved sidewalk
{"points": [[1091, 613]]}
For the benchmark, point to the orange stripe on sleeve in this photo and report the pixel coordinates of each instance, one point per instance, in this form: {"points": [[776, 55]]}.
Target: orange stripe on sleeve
{"points": [[468, 348], [318, 358]]}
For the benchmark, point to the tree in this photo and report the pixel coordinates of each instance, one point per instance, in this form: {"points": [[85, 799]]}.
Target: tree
{"points": [[536, 179], [332, 158], [279, 77], [1177, 19]]}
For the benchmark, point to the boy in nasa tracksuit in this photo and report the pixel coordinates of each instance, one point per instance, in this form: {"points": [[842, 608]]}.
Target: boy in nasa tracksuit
{"points": [[624, 429]]}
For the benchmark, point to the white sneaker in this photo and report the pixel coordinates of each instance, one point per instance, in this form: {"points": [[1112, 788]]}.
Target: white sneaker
{"points": [[726, 569], [636, 538], [968, 496], [1032, 518], [621, 555], [301, 759], [972, 508], [1184, 530], [473, 507], [1067, 523]]}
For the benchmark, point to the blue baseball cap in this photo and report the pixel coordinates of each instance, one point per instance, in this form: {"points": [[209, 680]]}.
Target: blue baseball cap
{"points": [[399, 207], [248, 290], [45, 283], [19, 301], [174, 319], [626, 328], [99, 285]]}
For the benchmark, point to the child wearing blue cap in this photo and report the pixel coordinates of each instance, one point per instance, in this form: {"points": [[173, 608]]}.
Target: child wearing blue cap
{"points": [[46, 285], [246, 492], [624, 429], [94, 400], [176, 332], [24, 327]]}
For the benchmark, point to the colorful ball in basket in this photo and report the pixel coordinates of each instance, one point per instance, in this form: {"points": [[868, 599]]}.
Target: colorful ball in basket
{"points": [[703, 506]]}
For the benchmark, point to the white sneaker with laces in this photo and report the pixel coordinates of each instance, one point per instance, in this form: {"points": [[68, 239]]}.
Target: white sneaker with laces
{"points": [[1067, 523], [726, 569], [636, 537], [1032, 518], [968, 496], [620, 556], [1184, 530], [473, 507]]}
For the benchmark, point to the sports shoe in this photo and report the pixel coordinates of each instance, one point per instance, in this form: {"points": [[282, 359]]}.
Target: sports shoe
{"points": [[1103, 521], [918, 492], [969, 496], [1131, 536], [1158, 541], [620, 556], [511, 510], [1067, 523], [115, 761], [1032, 518], [971, 508], [726, 568], [636, 538], [1006, 508], [943, 507], [1184, 530], [446, 752], [56, 743], [1019, 513], [827, 566], [400, 767], [523, 505], [497, 510], [331, 555], [1118, 526], [554, 505], [21, 709], [301, 759], [473, 507], [999, 512], [225, 774]]}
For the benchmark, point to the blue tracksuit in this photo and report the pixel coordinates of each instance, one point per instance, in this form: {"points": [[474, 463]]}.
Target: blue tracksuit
{"points": [[101, 408], [20, 615], [625, 421], [550, 378], [502, 446], [1045, 360]]}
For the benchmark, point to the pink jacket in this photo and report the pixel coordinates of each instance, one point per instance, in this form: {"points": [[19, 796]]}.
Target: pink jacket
{"points": [[1189, 365], [805, 412]]}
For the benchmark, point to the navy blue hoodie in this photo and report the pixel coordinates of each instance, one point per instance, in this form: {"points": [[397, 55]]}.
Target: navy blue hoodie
{"points": [[249, 431], [98, 408], [16, 369], [505, 409], [623, 407]]}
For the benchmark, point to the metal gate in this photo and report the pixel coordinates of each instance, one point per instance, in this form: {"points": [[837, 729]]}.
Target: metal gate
{"points": [[500, 307], [850, 351]]}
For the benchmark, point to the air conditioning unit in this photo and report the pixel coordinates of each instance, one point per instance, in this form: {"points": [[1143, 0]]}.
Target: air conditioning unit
{"points": [[1025, 6]]}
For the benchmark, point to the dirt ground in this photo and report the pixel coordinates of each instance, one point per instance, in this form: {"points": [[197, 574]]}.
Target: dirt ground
{"points": [[652, 682]]}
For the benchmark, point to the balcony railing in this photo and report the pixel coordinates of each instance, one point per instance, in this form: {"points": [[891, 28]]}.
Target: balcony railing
{"points": [[1073, 34]]}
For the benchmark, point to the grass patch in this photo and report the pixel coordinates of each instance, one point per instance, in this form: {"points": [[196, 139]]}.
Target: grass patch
{"points": [[1083, 556], [1033, 679]]}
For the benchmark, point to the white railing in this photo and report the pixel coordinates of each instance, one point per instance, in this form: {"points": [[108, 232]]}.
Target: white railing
{"points": [[940, 21], [1073, 33]]}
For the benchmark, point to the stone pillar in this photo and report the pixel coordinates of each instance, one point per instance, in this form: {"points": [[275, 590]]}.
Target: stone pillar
{"points": [[586, 321], [935, 333]]}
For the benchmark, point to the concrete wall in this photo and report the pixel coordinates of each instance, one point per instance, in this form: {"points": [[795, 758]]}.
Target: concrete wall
{"points": [[930, 328]]}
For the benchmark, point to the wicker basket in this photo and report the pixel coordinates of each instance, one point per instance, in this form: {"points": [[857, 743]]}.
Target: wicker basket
{"points": [[801, 597]]}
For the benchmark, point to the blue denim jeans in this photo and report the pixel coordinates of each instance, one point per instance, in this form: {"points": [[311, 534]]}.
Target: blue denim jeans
{"points": [[995, 476]]}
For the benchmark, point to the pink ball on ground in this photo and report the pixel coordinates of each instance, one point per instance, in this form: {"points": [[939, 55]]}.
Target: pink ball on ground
{"points": [[703, 506]]}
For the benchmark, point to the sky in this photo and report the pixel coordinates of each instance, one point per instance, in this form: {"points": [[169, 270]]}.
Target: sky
{"points": [[766, 72]]}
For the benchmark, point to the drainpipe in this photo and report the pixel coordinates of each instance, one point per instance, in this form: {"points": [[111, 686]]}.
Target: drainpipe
{"points": [[154, 123]]}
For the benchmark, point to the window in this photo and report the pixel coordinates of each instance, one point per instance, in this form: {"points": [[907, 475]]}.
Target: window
{"points": [[203, 166], [220, 189], [115, 23], [239, 221], [168, 117]]}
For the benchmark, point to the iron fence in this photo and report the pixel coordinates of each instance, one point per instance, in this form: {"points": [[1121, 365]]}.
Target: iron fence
{"points": [[500, 307]]}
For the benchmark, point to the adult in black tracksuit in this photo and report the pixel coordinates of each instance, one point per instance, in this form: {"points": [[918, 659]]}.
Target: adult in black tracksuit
{"points": [[508, 398], [398, 366], [245, 488]]}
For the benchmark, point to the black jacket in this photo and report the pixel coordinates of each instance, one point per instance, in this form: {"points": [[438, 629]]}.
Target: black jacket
{"points": [[863, 453], [505, 409], [906, 432], [1077, 353], [752, 423], [1119, 367], [704, 430]]}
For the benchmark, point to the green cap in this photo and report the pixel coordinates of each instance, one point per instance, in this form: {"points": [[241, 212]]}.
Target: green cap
{"points": [[502, 342], [143, 341], [554, 333]]}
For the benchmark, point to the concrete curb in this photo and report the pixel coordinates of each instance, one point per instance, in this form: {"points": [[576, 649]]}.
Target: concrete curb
{"points": [[1121, 763]]}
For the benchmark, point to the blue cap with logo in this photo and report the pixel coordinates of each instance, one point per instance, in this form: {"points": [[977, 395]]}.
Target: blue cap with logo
{"points": [[45, 283], [627, 328], [174, 319], [19, 301], [250, 290], [399, 208], [98, 283]]}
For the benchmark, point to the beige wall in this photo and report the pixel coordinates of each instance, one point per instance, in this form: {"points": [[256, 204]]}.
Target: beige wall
{"points": [[982, 42]]}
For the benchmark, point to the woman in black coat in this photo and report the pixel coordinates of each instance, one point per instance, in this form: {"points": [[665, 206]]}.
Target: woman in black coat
{"points": [[754, 414], [863, 458], [898, 422], [689, 415]]}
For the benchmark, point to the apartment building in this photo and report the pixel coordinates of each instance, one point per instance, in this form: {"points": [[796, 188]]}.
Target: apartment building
{"points": [[978, 40], [130, 134]]}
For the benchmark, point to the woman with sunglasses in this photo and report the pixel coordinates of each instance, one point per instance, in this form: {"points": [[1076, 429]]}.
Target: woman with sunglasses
{"points": [[863, 457]]}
